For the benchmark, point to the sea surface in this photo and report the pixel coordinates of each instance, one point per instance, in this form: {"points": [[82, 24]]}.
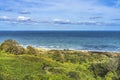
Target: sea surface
{"points": [[76, 40]]}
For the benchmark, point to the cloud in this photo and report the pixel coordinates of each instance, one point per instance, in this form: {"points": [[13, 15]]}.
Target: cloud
{"points": [[19, 19], [89, 23], [96, 17], [28, 20], [95, 23], [86, 23], [116, 19], [4, 18], [23, 18], [61, 21], [67, 12], [24, 12]]}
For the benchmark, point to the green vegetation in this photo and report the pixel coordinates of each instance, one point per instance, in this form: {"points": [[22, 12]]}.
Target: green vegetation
{"points": [[18, 63], [11, 46]]}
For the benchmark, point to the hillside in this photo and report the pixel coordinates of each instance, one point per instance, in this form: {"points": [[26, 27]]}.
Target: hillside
{"points": [[40, 64], [59, 65]]}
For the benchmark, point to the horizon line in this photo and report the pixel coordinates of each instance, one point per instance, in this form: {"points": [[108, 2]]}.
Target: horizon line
{"points": [[58, 30]]}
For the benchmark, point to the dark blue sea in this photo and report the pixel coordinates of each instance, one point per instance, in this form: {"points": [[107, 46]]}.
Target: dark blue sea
{"points": [[77, 40]]}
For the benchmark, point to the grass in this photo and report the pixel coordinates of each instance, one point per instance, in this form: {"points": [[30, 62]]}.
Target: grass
{"points": [[54, 65]]}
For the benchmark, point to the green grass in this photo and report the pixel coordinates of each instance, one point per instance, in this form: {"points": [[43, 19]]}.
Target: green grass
{"points": [[55, 65]]}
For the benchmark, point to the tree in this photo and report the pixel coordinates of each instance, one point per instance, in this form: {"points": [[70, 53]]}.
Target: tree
{"points": [[11, 46]]}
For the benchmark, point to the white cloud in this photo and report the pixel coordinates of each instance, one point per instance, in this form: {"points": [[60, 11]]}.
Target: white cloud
{"points": [[28, 20], [4, 18], [23, 18], [62, 21], [56, 20]]}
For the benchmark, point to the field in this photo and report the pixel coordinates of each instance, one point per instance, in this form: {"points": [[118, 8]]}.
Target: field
{"points": [[60, 65]]}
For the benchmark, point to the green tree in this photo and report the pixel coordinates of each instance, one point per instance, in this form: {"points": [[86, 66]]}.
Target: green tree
{"points": [[11, 46]]}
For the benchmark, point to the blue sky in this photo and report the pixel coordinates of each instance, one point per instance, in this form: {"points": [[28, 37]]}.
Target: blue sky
{"points": [[60, 15]]}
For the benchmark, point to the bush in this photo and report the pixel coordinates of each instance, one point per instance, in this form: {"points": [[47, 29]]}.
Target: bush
{"points": [[31, 50], [56, 55], [113, 64], [109, 76], [35, 77], [1, 77], [118, 69], [74, 75], [11, 46], [99, 69]]}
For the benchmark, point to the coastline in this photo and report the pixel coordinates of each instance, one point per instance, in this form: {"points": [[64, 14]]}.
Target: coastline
{"points": [[51, 62], [84, 51], [101, 41]]}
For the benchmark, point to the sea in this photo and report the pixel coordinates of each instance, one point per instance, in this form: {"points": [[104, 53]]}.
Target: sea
{"points": [[70, 40]]}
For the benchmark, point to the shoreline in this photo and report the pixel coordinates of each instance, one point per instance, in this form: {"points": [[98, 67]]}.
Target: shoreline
{"points": [[91, 51], [71, 49]]}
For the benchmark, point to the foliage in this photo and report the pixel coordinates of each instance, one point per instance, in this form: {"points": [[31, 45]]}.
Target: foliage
{"points": [[11, 46], [74, 75], [31, 50], [99, 69]]}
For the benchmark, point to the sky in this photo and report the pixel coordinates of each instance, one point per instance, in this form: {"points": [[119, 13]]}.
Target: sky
{"points": [[59, 14]]}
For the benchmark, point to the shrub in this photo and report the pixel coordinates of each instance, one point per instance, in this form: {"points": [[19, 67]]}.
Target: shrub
{"points": [[118, 68], [99, 69], [31, 50], [11, 46], [113, 64], [28, 77], [1, 77], [74, 75], [56, 55]]}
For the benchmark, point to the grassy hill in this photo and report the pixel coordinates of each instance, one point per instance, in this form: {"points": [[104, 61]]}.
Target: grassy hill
{"points": [[59, 65], [39, 64]]}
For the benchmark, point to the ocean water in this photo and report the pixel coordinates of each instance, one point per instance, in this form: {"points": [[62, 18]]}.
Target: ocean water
{"points": [[78, 40]]}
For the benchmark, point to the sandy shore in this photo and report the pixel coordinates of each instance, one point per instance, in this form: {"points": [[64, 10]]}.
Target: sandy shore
{"points": [[84, 51]]}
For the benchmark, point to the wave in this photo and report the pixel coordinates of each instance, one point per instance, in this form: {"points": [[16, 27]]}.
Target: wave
{"points": [[103, 48]]}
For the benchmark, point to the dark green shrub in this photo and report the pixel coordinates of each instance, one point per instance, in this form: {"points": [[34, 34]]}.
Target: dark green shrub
{"points": [[74, 75], [11, 46], [1, 77], [99, 69]]}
